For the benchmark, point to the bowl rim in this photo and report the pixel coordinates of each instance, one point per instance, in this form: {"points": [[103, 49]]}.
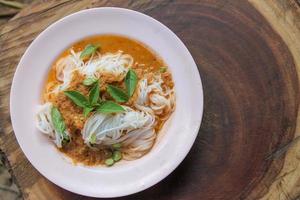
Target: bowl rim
{"points": [[162, 174]]}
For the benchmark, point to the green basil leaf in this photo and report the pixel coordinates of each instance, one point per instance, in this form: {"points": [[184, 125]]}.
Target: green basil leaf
{"points": [[131, 82], [88, 50], [89, 81], [110, 107], [57, 120], [118, 94], [87, 110], [94, 93], [59, 124], [163, 69], [79, 99]]}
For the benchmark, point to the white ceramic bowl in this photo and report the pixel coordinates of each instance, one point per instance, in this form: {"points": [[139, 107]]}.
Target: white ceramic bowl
{"points": [[126, 178]]}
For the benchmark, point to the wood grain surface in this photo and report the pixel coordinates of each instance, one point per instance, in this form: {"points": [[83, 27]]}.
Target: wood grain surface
{"points": [[7, 12], [248, 55]]}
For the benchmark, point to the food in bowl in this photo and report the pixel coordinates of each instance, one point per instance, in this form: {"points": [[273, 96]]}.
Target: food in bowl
{"points": [[106, 98]]}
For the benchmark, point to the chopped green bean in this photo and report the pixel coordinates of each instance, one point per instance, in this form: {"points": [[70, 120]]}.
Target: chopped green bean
{"points": [[117, 155], [109, 162]]}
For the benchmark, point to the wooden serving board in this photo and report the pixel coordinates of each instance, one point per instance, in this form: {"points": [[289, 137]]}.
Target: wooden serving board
{"points": [[248, 55]]}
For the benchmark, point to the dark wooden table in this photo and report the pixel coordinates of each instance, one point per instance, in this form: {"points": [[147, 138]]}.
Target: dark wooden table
{"points": [[248, 55]]}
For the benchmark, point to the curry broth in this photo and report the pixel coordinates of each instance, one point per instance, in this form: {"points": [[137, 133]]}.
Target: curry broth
{"points": [[145, 61]]}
